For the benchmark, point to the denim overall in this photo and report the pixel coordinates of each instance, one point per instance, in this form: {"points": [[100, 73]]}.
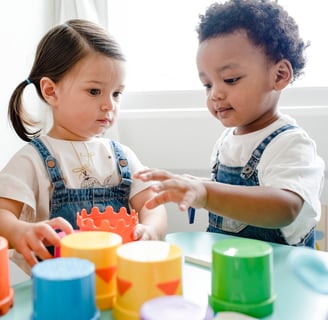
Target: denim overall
{"points": [[248, 176], [66, 202]]}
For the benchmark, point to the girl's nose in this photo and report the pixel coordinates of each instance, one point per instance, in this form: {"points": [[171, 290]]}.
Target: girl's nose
{"points": [[108, 105]]}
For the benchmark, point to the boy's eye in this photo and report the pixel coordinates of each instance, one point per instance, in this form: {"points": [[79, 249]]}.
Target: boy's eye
{"points": [[95, 92], [231, 80], [207, 86]]}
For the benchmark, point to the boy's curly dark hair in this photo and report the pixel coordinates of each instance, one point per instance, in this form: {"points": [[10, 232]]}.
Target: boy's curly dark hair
{"points": [[267, 25]]}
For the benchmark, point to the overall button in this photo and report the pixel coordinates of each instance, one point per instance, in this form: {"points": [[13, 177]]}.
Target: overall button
{"points": [[51, 163]]}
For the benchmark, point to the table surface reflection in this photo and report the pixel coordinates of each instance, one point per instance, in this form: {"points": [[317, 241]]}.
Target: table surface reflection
{"points": [[294, 299]]}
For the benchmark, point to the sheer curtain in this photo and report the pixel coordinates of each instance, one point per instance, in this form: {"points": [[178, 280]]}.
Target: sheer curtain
{"points": [[93, 10]]}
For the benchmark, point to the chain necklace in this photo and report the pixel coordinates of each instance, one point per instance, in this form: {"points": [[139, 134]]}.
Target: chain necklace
{"points": [[87, 180], [84, 167]]}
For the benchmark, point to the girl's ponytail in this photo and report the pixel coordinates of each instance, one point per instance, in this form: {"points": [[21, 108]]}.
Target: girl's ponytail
{"points": [[19, 118]]}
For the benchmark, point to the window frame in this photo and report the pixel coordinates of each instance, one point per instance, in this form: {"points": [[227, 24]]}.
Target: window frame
{"points": [[295, 97]]}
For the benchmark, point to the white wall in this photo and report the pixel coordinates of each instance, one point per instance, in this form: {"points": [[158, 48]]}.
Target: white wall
{"points": [[180, 132], [175, 131]]}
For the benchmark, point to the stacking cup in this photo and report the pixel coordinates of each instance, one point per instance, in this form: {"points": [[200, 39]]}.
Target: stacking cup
{"points": [[174, 308], [242, 277], [145, 270], [98, 247], [64, 288], [6, 292], [121, 222]]}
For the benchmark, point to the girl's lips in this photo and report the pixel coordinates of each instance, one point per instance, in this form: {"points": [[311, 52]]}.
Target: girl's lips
{"points": [[108, 120], [105, 121]]}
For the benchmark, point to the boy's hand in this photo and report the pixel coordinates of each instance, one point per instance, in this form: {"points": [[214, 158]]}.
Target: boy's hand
{"points": [[185, 190], [144, 232]]}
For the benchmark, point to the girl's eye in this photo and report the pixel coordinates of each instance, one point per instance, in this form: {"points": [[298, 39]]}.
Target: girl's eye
{"points": [[207, 86], [117, 94], [232, 80], [95, 92]]}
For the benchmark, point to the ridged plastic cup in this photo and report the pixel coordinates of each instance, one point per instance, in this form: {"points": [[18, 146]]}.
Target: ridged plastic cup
{"points": [[242, 272], [64, 288], [98, 247], [145, 270], [6, 292]]}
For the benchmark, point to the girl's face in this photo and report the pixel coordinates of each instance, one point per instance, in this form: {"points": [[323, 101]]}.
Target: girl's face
{"points": [[86, 101], [239, 81]]}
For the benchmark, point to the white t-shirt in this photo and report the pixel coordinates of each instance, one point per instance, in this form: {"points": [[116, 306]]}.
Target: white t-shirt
{"points": [[290, 161], [26, 180]]}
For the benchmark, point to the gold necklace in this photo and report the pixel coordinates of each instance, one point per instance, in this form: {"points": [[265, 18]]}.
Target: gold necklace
{"points": [[83, 169]]}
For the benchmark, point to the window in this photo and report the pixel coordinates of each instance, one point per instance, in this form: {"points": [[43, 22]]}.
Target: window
{"points": [[160, 41]]}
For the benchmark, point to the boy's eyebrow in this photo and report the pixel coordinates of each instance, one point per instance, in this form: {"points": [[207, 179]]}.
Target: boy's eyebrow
{"points": [[228, 66], [223, 68]]}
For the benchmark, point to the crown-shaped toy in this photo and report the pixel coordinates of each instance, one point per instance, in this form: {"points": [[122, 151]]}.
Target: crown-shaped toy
{"points": [[120, 222]]}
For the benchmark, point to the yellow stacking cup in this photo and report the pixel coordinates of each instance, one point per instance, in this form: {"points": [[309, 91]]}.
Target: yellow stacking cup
{"points": [[100, 248], [145, 270]]}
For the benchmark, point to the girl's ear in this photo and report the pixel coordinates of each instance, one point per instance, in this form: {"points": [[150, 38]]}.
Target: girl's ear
{"points": [[48, 89], [283, 74]]}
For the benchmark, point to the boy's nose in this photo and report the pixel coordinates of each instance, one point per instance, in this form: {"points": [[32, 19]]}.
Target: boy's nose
{"points": [[217, 94]]}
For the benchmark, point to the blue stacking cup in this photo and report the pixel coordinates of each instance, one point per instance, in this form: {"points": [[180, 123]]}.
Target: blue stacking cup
{"points": [[64, 288]]}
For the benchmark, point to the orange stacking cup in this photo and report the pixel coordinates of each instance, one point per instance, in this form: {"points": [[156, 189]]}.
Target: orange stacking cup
{"points": [[121, 222], [6, 292]]}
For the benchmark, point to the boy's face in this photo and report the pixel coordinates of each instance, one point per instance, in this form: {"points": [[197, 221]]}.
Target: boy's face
{"points": [[239, 81]]}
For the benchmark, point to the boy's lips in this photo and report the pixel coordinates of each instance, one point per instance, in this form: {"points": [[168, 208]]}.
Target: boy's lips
{"points": [[223, 110]]}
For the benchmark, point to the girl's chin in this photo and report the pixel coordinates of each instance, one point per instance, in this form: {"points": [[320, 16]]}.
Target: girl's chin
{"points": [[102, 132]]}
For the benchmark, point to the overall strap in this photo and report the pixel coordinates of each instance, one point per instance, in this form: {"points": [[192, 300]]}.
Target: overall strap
{"points": [[121, 160], [50, 163], [252, 163]]}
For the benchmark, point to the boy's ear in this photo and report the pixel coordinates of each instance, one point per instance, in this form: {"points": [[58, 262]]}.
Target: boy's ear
{"points": [[283, 74], [48, 90]]}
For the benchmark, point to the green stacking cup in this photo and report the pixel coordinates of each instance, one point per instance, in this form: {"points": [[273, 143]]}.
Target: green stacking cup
{"points": [[242, 277]]}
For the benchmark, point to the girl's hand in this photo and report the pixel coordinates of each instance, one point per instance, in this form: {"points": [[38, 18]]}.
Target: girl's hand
{"points": [[31, 239], [145, 232], [185, 190]]}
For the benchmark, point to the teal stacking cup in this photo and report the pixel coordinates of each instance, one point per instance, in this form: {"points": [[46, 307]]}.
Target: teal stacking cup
{"points": [[64, 288], [242, 271]]}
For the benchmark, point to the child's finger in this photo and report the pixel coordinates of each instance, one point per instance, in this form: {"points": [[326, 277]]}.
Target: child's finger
{"points": [[28, 255], [60, 223]]}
